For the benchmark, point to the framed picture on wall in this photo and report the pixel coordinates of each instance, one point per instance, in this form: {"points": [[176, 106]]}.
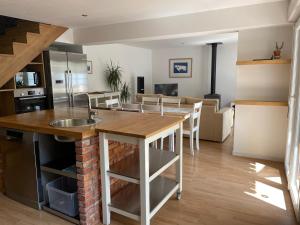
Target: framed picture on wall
{"points": [[89, 67], [180, 68]]}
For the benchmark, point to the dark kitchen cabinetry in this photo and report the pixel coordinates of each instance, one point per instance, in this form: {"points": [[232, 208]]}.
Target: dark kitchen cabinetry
{"points": [[57, 160], [13, 90]]}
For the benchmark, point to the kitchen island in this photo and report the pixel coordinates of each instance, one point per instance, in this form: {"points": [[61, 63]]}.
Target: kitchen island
{"points": [[115, 124]]}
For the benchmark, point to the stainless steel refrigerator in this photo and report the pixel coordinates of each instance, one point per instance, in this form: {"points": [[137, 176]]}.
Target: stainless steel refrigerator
{"points": [[68, 76]]}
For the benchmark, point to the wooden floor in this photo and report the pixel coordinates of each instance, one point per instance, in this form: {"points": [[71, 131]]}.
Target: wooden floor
{"points": [[219, 189]]}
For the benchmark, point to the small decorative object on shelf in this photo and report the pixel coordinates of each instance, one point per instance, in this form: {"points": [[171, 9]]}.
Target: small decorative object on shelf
{"points": [[277, 52]]}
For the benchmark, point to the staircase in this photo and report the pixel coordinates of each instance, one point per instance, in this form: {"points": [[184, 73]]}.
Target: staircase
{"points": [[20, 42]]}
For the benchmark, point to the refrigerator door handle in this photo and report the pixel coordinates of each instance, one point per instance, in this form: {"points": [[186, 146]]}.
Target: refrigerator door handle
{"points": [[66, 82], [71, 89], [68, 90], [71, 78]]}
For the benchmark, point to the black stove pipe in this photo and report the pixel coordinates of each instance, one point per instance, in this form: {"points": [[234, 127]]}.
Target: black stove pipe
{"points": [[214, 47]]}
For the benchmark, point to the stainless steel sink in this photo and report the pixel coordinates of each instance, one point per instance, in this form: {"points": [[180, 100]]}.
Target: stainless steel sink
{"points": [[66, 123]]}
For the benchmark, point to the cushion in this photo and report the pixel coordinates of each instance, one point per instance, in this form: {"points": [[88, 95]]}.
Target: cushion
{"points": [[139, 97]]}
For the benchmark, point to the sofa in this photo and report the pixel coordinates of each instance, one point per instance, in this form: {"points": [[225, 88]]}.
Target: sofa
{"points": [[215, 124]]}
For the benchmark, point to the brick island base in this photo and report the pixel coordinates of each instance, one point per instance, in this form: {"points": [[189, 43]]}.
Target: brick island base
{"points": [[88, 175]]}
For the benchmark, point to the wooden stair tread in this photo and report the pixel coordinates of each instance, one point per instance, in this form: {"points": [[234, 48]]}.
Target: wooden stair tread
{"points": [[6, 55], [13, 43]]}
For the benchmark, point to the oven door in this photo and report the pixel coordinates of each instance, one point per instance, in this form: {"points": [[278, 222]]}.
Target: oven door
{"points": [[30, 104]]}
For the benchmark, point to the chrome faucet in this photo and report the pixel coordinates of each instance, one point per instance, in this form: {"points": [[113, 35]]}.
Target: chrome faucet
{"points": [[91, 114]]}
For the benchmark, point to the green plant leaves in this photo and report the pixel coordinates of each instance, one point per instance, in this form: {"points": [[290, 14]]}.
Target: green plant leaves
{"points": [[125, 93], [113, 76]]}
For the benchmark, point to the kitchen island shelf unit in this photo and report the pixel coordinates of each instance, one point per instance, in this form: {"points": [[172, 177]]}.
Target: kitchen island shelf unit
{"points": [[74, 220], [59, 168], [128, 170], [127, 201], [148, 191]]}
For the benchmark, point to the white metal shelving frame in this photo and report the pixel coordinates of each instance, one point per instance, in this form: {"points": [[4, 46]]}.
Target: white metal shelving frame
{"points": [[149, 191]]}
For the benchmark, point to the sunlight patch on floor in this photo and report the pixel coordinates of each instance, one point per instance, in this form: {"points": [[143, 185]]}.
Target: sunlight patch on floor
{"points": [[268, 194], [257, 167], [274, 179]]}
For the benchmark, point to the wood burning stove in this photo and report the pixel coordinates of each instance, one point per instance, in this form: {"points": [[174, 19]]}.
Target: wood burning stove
{"points": [[213, 94]]}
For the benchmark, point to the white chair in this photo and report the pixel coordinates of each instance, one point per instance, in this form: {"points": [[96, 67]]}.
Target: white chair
{"points": [[152, 108], [193, 126], [174, 101], [159, 108], [111, 103], [151, 100], [131, 107], [95, 100]]}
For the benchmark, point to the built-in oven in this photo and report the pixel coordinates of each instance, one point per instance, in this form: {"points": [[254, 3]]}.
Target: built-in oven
{"points": [[29, 100]]}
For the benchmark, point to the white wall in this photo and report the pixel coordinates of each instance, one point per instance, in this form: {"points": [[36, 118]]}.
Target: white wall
{"points": [[66, 37], [195, 86], [133, 61], [199, 84], [226, 72], [260, 43], [264, 82], [260, 131]]}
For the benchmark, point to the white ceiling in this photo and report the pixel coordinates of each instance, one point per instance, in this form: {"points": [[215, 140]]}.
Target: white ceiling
{"points": [[187, 41], [101, 12]]}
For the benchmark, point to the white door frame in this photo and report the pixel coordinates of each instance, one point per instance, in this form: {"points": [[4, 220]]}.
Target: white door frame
{"points": [[292, 149]]}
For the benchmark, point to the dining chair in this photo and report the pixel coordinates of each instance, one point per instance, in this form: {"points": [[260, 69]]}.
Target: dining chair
{"points": [[152, 108], [151, 100], [173, 101], [131, 107], [193, 126], [159, 108], [114, 102]]}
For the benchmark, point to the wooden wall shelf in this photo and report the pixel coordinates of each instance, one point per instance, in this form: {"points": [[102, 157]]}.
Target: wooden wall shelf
{"points": [[261, 62], [263, 103]]}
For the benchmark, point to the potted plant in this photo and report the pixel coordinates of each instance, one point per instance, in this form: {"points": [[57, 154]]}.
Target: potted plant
{"points": [[125, 94], [113, 76]]}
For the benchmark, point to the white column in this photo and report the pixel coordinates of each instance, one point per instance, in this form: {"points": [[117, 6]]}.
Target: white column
{"points": [[171, 142], [179, 150], [144, 182], [105, 181]]}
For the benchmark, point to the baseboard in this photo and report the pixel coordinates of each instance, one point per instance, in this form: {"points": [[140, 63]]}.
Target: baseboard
{"points": [[255, 156]]}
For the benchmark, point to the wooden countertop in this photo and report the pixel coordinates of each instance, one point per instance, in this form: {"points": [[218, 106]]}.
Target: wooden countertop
{"points": [[262, 103], [116, 122]]}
